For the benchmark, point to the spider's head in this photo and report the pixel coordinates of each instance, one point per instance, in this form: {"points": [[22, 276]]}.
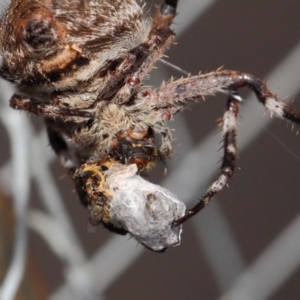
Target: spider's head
{"points": [[54, 44]]}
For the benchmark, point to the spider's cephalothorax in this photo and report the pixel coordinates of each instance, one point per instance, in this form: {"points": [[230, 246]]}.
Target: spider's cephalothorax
{"points": [[81, 65]]}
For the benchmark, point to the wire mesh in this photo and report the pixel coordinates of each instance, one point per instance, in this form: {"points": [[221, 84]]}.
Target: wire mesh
{"points": [[246, 248]]}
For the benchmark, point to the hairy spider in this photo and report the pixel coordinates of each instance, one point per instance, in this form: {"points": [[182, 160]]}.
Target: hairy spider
{"points": [[81, 64]]}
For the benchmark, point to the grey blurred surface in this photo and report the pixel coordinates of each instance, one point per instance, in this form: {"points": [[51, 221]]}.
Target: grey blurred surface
{"points": [[245, 244]]}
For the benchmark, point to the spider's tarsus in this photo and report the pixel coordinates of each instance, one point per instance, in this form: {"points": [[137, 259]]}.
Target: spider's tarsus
{"points": [[169, 7]]}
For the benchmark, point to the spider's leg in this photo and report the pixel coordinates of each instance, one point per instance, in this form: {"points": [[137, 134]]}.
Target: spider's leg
{"points": [[266, 97], [67, 159], [164, 15], [161, 34], [229, 159], [61, 149], [176, 95], [127, 78], [23, 103], [159, 105], [129, 74]]}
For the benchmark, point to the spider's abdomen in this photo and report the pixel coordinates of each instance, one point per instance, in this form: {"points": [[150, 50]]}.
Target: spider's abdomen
{"points": [[58, 44]]}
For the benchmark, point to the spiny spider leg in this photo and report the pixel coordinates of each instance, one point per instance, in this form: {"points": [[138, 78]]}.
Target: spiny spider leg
{"points": [[61, 148], [229, 159], [66, 157], [177, 94], [130, 73], [137, 64], [38, 108]]}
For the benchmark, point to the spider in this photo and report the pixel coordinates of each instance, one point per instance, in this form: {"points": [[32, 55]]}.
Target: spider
{"points": [[81, 65]]}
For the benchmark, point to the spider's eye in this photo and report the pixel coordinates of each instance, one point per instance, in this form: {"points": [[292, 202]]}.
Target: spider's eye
{"points": [[39, 33]]}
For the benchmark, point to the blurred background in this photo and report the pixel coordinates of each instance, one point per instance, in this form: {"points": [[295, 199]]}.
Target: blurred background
{"points": [[245, 245]]}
